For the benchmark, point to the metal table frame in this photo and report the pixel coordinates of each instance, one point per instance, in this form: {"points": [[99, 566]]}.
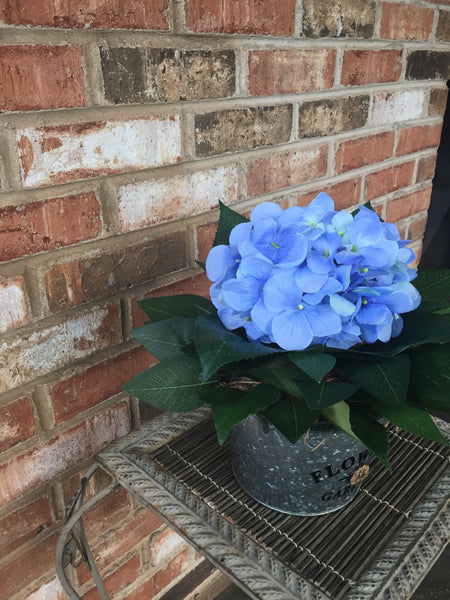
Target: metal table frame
{"points": [[394, 574]]}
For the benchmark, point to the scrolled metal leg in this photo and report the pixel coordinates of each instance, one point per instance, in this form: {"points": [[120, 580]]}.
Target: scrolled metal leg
{"points": [[67, 550]]}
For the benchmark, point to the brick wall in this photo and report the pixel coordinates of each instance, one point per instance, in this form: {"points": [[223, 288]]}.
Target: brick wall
{"points": [[123, 122]]}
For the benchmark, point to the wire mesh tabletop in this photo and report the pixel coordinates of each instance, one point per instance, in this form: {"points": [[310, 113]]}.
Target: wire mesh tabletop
{"points": [[379, 546]]}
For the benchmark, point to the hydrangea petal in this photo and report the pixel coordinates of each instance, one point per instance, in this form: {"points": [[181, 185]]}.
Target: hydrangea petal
{"points": [[291, 330]]}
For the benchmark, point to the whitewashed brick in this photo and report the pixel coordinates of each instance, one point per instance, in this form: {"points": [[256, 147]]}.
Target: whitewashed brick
{"points": [[150, 202], [13, 311], [395, 107], [165, 546], [25, 358], [52, 590], [25, 471], [64, 153]]}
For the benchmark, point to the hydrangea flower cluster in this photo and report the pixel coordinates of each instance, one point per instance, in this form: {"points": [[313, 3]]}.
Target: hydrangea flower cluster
{"points": [[313, 275]]}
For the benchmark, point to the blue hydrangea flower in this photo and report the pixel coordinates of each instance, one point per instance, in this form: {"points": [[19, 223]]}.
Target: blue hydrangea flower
{"points": [[311, 275]]}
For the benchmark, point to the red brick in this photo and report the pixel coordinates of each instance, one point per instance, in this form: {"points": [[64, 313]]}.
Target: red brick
{"points": [[118, 580], [253, 17], [438, 101], [290, 71], [107, 513], [13, 310], [388, 180], [353, 154], [408, 205], [144, 591], [41, 77], [425, 168], [418, 138], [83, 390], [24, 524], [25, 471], [361, 67], [174, 569], [98, 14], [285, 170], [199, 285], [443, 26], [49, 224], [28, 567], [25, 358], [416, 229], [17, 423], [99, 481], [205, 238], [406, 22], [115, 545], [345, 194], [62, 153], [72, 283]]}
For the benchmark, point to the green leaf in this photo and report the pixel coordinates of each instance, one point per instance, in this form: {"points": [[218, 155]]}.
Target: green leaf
{"points": [[339, 414], [282, 378], [183, 305], [227, 221], [320, 395], [419, 328], [174, 385], [434, 287], [386, 379], [372, 433], [216, 346], [166, 339], [411, 419], [314, 364], [230, 407], [430, 375], [291, 417]]}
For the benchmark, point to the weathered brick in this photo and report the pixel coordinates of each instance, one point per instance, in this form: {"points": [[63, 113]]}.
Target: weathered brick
{"points": [[199, 285], [77, 393], [25, 471], [325, 117], [49, 590], [416, 229], [395, 107], [118, 580], [24, 358], [417, 138], [345, 194], [151, 202], [164, 546], [115, 544], [13, 310], [99, 481], [438, 101], [41, 77], [428, 64], [172, 570], [353, 154], [63, 153], [166, 75], [408, 205], [253, 17], [406, 22], [285, 170], [24, 524], [242, 129], [97, 14], [17, 423], [108, 513], [48, 224], [28, 567], [425, 168], [338, 18], [290, 71], [72, 283], [443, 26], [388, 180], [361, 67]]}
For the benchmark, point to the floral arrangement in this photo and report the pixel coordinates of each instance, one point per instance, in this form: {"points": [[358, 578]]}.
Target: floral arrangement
{"points": [[305, 323]]}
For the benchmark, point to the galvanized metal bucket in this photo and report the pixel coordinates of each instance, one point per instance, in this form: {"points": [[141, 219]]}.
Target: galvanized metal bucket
{"points": [[318, 474]]}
